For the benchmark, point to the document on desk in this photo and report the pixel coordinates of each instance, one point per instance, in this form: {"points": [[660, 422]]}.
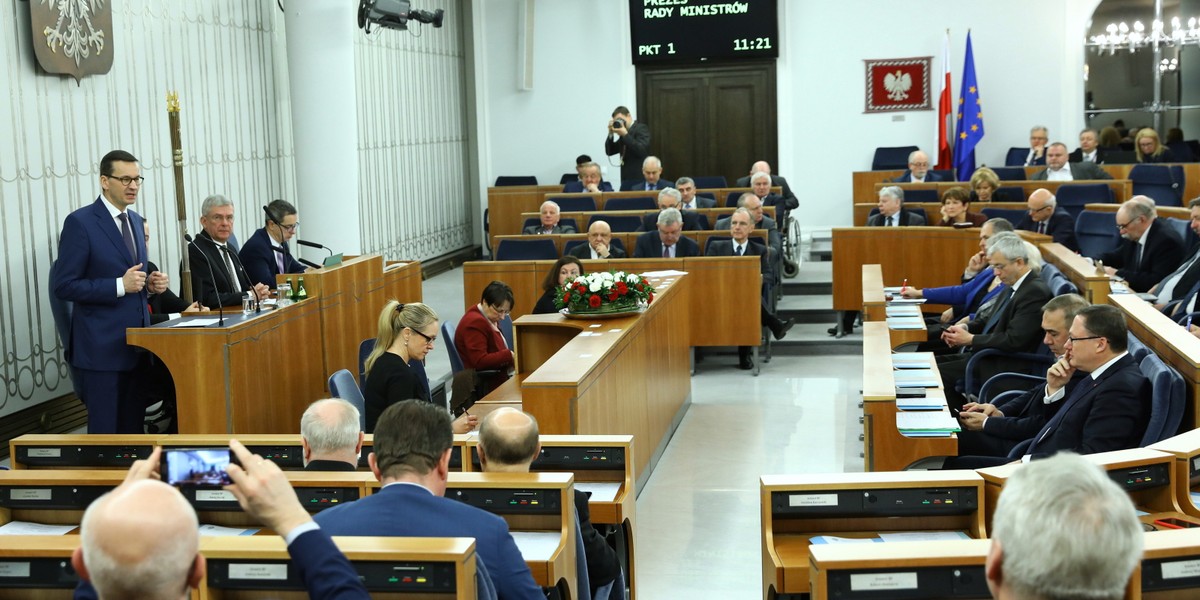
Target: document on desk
{"points": [[28, 528], [912, 360], [667, 273], [218, 531], [936, 424], [906, 310], [905, 323], [916, 378], [195, 322], [537, 545], [923, 536], [833, 539], [926, 403], [903, 301], [602, 491]]}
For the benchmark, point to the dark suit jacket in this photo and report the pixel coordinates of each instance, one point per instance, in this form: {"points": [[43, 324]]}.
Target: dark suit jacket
{"points": [[1060, 227], [650, 246], [162, 305], [633, 148], [405, 510], [640, 185], [482, 348], [692, 221], [205, 254], [92, 256], [907, 219], [1163, 254], [1025, 415], [602, 563], [1079, 170], [1110, 413], [326, 572], [906, 177], [974, 219], [576, 187], [258, 256], [753, 248], [704, 202], [1020, 326], [584, 252], [1077, 155], [1037, 161], [534, 229], [776, 180], [330, 465]]}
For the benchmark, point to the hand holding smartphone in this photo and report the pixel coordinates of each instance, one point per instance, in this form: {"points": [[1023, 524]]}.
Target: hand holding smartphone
{"points": [[196, 467]]}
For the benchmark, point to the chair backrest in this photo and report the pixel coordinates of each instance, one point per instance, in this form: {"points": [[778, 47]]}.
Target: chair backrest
{"points": [[1096, 232], [1072, 196], [506, 330], [342, 385], [1010, 173], [1163, 183], [1049, 271], [534, 248], [619, 223], [1182, 151], [570, 245], [1167, 398], [364, 350], [710, 182], [448, 328], [1016, 157], [568, 178], [507, 180], [1060, 285], [1181, 226], [714, 238], [1124, 156], [1010, 193], [637, 203], [731, 199], [893, 158], [946, 174], [1136, 348], [1012, 215], [920, 195], [574, 203], [484, 588]]}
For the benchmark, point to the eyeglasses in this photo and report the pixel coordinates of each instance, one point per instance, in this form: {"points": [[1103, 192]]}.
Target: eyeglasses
{"points": [[1080, 339], [1126, 224], [501, 311], [999, 267], [125, 181], [289, 228], [1034, 211], [428, 340]]}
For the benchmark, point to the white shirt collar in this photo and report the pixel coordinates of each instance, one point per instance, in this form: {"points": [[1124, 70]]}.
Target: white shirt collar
{"points": [[1104, 367], [112, 210], [1145, 235]]}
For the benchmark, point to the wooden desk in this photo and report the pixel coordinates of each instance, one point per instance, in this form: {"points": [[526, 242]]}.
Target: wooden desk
{"points": [[1092, 286], [1122, 189], [1147, 475], [884, 447], [727, 309], [598, 462], [1171, 342], [434, 568], [1167, 571], [933, 210], [950, 569], [925, 256], [528, 502], [875, 307], [1185, 447], [232, 379], [1173, 212], [631, 379], [857, 505]]}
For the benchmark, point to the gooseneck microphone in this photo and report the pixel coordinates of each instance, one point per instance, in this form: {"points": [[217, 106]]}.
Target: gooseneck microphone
{"points": [[313, 245], [307, 263], [212, 276]]}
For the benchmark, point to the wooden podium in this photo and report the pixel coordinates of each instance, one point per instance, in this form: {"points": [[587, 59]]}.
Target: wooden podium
{"points": [[259, 372]]}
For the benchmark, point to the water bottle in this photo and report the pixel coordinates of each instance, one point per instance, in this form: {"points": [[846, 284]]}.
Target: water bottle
{"points": [[301, 294]]}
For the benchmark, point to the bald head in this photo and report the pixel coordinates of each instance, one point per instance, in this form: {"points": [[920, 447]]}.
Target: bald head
{"points": [[329, 430], [1041, 205], [140, 541], [508, 440], [761, 166]]}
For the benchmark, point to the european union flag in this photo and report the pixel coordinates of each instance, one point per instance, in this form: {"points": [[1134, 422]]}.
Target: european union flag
{"points": [[970, 119]]}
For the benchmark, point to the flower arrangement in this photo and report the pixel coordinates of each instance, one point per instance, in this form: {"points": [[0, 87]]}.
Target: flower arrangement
{"points": [[604, 292]]}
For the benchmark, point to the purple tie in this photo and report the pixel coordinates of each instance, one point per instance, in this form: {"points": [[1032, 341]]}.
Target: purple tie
{"points": [[666, 252], [128, 235]]}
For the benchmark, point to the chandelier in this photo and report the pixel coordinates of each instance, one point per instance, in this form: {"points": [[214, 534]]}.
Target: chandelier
{"points": [[1123, 37]]}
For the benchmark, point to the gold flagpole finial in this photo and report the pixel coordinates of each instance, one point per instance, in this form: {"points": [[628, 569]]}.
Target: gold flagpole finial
{"points": [[172, 102]]}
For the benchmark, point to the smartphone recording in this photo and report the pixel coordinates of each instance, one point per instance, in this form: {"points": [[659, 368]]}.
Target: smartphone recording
{"points": [[195, 466]]}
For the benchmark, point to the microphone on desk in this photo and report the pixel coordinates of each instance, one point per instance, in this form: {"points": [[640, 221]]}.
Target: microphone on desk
{"points": [[313, 245], [212, 276], [307, 263]]}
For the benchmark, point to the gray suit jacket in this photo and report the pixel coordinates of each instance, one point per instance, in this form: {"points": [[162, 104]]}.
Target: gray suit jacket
{"points": [[533, 229], [1079, 170]]}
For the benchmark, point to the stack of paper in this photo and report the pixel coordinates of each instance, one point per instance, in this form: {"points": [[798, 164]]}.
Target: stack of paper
{"points": [[927, 403], [892, 290], [904, 310], [905, 323], [898, 300], [925, 378], [912, 360], [898, 536], [926, 424]]}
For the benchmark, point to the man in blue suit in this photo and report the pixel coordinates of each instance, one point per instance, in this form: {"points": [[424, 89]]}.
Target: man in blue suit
{"points": [[266, 253], [589, 181], [411, 459], [101, 268]]}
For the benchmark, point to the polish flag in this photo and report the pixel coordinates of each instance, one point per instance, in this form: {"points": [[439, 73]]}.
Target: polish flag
{"points": [[944, 159]]}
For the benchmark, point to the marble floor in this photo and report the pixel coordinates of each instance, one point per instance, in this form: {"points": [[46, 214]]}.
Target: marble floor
{"points": [[697, 525]]}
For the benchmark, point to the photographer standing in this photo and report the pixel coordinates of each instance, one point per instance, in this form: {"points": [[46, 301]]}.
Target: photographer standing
{"points": [[632, 143]]}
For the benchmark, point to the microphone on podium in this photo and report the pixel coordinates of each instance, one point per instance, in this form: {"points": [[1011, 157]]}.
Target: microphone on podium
{"points": [[213, 278]]}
